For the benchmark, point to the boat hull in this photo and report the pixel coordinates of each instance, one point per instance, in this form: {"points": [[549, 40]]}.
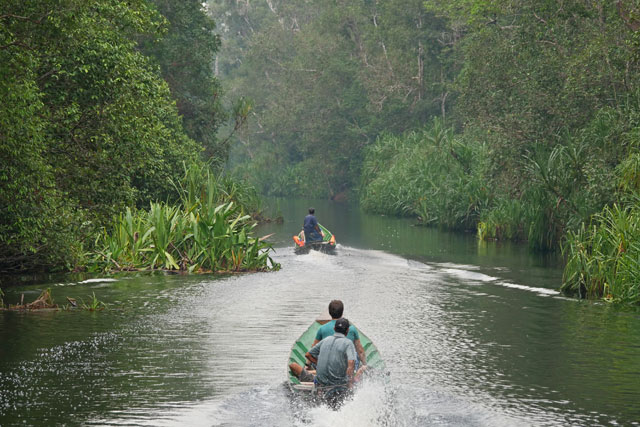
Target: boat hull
{"points": [[326, 245], [315, 246], [304, 343]]}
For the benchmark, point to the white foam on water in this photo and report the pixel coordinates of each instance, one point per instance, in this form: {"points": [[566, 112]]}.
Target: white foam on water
{"points": [[369, 406], [541, 291], [85, 282], [457, 266], [104, 280], [469, 275]]}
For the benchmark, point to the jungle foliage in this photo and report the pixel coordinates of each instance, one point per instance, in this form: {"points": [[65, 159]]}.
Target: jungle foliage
{"points": [[88, 124], [537, 106], [208, 231], [432, 174], [603, 257], [326, 78], [186, 53]]}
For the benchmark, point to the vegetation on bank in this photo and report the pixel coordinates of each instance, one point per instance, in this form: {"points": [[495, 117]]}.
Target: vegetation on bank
{"points": [[603, 257], [450, 180], [103, 101], [430, 174], [207, 231], [537, 105]]}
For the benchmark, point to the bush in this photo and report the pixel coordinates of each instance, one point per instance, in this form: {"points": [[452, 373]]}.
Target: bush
{"points": [[504, 221], [603, 257], [430, 174], [207, 231]]}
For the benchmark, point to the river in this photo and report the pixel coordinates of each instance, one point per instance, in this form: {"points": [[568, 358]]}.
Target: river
{"points": [[472, 335]]}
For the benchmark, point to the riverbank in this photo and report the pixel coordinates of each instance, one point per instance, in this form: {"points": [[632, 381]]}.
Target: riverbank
{"points": [[208, 230], [451, 181], [169, 347]]}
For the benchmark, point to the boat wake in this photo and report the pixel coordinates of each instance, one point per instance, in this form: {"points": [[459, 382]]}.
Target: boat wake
{"points": [[371, 405]]}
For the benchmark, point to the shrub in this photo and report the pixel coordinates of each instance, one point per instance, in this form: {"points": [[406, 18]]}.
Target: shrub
{"points": [[603, 257], [430, 174], [208, 230]]}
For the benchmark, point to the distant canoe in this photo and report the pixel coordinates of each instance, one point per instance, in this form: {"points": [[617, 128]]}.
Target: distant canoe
{"points": [[326, 245], [303, 344]]}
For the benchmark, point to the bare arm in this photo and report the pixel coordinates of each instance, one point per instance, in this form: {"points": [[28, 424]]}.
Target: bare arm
{"points": [[361, 354], [315, 342], [351, 366], [311, 358]]}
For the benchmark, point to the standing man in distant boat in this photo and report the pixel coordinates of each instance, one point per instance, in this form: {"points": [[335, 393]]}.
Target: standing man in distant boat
{"points": [[312, 231], [336, 308]]}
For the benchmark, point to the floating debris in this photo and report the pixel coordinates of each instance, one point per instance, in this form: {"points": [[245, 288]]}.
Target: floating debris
{"points": [[42, 302]]}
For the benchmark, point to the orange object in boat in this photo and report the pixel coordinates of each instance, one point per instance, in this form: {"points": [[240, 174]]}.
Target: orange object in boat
{"points": [[326, 245], [298, 241]]}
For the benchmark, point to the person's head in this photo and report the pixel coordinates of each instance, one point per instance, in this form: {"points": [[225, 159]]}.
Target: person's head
{"points": [[335, 309], [312, 211], [342, 326]]}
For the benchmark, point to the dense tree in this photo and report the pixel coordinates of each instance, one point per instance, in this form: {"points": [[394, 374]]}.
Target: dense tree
{"points": [[326, 79], [91, 126], [186, 54], [32, 211]]}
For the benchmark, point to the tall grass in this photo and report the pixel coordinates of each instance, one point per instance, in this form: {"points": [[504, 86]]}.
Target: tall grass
{"points": [[503, 221], [208, 231], [603, 258]]}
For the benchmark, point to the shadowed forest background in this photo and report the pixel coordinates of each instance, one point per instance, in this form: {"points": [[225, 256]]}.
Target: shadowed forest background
{"points": [[517, 120]]}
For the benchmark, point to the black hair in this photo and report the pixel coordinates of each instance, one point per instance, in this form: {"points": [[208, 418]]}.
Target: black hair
{"points": [[342, 326], [312, 211], [336, 308]]}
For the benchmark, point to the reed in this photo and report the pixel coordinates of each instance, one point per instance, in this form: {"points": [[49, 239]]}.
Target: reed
{"points": [[93, 304], [502, 222], [200, 185]]}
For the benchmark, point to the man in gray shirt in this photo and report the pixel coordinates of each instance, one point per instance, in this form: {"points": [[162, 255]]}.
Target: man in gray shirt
{"points": [[334, 356]]}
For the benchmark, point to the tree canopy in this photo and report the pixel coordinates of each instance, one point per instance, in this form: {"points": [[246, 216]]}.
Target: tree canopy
{"points": [[326, 79], [89, 125]]}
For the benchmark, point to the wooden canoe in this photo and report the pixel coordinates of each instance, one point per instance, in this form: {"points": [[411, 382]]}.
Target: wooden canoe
{"points": [[303, 344], [326, 245]]}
